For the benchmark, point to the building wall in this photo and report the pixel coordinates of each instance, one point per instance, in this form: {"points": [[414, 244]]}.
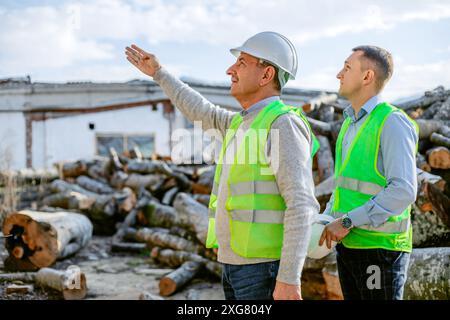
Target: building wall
{"points": [[70, 138], [12, 140]]}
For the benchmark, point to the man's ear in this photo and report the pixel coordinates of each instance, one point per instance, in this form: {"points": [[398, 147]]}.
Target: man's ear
{"points": [[369, 77], [269, 74]]}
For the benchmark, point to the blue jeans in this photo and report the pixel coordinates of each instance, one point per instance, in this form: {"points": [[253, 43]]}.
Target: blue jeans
{"points": [[250, 281], [372, 274]]}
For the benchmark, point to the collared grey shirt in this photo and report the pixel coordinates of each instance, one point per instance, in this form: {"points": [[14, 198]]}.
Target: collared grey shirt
{"points": [[396, 161], [292, 172]]}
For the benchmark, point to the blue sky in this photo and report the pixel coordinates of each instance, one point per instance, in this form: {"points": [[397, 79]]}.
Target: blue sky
{"points": [[58, 41]]}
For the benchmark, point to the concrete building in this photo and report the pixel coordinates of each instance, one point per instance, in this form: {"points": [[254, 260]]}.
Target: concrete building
{"points": [[43, 123]]}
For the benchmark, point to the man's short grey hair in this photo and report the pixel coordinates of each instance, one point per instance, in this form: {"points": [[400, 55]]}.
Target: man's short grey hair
{"points": [[383, 63]]}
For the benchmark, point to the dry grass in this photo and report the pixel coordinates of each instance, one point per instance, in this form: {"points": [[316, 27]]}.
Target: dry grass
{"points": [[8, 184]]}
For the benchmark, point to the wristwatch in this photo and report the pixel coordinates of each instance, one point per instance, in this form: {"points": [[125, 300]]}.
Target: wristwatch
{"points": [[347, 222]]}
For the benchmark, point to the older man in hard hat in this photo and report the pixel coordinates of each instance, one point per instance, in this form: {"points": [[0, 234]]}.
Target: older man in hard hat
{"points": [[260, 213], [375, 182]]}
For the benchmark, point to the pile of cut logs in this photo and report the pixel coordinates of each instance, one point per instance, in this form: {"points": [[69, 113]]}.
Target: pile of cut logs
{"points": [[144, 204], [155, 205]]}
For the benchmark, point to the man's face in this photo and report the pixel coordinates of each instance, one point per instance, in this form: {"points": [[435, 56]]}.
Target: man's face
{"points": [[351, 76], [246, 74]]}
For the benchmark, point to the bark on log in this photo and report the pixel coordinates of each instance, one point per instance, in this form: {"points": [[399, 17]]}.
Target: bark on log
{"points": [[169, 196], [439, 158], [443, 112], [428, 229], [445, 131], [149, 181], [325, 162], [202, 198], [440, 140], [125, 200], [422, 163], [174, 259], [46, 237], [176, 280], [192, 215], [438, 94], [129, 247], [71, 283], [94, 185], [73, 169], [428, 275], [326, 113], [162, 238], [154, 214], [114, 159], [427, 127], [431, 110]]}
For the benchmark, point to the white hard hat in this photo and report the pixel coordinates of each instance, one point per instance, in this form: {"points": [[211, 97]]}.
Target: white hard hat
{"points": [[275, 49], [314, 250]]}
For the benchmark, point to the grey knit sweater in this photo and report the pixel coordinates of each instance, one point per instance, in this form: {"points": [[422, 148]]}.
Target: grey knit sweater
{"points": [[292, 170]]}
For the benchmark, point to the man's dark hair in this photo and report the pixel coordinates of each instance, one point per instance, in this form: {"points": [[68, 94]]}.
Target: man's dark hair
{"points": [[276, 81], [382, 61]]}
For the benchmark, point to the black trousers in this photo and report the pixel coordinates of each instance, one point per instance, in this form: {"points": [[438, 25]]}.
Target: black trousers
{"points": [[372, 274]]}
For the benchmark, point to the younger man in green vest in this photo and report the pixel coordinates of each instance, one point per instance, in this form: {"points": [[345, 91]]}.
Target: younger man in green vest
{"points": [[260, 211], [375, 182]]}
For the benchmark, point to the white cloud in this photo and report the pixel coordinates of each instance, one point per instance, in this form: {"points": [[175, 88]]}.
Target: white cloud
{"points": [[75, 34]]}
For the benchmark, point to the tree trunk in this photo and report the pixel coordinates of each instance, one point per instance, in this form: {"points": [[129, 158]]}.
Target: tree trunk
{"points": [[427, 127], [71, 283], [439, 158], [174, 281], [192, 215], [73, 169], [43, 237], [440, 140], [155, 214], [94, 185], [438, 94], [162, 238], [326, 113], [325, 162]]}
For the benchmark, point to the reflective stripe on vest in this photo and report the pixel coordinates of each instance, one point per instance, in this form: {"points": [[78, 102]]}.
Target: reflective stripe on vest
{"points": [[258, 216], [358, 185], [387, 227], [212, 212], [254, 187]]}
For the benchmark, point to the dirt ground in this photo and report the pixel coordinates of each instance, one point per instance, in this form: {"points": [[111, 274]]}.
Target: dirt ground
{"points": [[116, 276]]}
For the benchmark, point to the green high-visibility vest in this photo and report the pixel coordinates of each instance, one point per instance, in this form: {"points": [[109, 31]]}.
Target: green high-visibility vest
{"points": [[254, 204], [357, 180]]}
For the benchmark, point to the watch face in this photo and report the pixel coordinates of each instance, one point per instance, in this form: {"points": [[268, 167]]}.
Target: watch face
{"points": [[347, 222]]}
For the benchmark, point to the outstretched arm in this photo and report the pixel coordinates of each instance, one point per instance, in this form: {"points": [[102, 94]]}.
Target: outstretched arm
{"points": [[191, 103]]}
